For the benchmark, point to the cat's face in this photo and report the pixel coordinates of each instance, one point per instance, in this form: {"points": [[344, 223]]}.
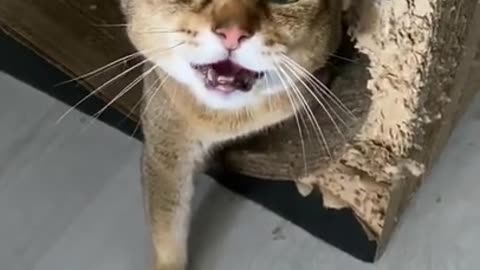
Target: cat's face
{"points": [[234, 53]]}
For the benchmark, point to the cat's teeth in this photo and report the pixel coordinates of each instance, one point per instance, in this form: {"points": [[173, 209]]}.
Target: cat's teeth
{"points": [[212, 75], [225, 79]]}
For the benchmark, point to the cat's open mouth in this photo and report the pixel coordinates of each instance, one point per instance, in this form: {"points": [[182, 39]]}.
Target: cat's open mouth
{"points": [[226, 76]]}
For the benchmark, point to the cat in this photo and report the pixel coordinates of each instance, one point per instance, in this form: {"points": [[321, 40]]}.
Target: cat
{"points": [[218, 70]]}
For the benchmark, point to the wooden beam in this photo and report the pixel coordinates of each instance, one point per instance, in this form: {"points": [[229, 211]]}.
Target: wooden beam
{"points": [[69, 35]]}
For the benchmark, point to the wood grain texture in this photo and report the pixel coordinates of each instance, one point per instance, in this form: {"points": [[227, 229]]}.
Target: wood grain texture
{"points": [[70, 35]]}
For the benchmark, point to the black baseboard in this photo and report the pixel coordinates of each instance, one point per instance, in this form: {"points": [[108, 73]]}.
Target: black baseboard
{"points": [[339, 228]]}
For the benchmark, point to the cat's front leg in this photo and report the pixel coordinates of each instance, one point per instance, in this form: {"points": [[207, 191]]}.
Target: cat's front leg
{"points": [[168, 189]]}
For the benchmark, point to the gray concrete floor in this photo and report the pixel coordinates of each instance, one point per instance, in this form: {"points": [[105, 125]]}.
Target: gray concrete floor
{"points": [[70, 200]]}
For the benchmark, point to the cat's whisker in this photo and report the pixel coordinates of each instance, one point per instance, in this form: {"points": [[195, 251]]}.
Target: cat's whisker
{"points": [[304, 105], [319, 94], [269, 88], [310, 114], [126, 25], [316, 97], [295, 110], [101, 69], [149, 101], [300, 114], [350, 60], [119, 95], [163, 28], [158, 31], [124, 91], [165, 109], [142, 98], [92, 93], [321, 87]]}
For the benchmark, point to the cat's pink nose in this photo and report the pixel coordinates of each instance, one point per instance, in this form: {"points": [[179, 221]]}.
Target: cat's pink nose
{"points": [[232, 36]]}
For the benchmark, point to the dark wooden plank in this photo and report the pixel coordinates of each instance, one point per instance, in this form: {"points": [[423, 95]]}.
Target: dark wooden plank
{"points": [[67, 34]]}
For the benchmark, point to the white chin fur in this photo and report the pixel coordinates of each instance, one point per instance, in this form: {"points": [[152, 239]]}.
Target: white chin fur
{"points": [[220, 101]]}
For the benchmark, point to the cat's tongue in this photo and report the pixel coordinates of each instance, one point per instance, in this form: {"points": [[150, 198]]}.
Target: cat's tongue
{"points": [[226, 68]]}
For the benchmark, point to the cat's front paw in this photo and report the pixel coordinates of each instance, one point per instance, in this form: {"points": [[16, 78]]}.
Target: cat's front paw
{"points": [[171, 255]]}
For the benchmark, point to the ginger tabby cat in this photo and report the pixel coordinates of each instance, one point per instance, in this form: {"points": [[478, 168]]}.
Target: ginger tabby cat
{"points": [[218, 70]]}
